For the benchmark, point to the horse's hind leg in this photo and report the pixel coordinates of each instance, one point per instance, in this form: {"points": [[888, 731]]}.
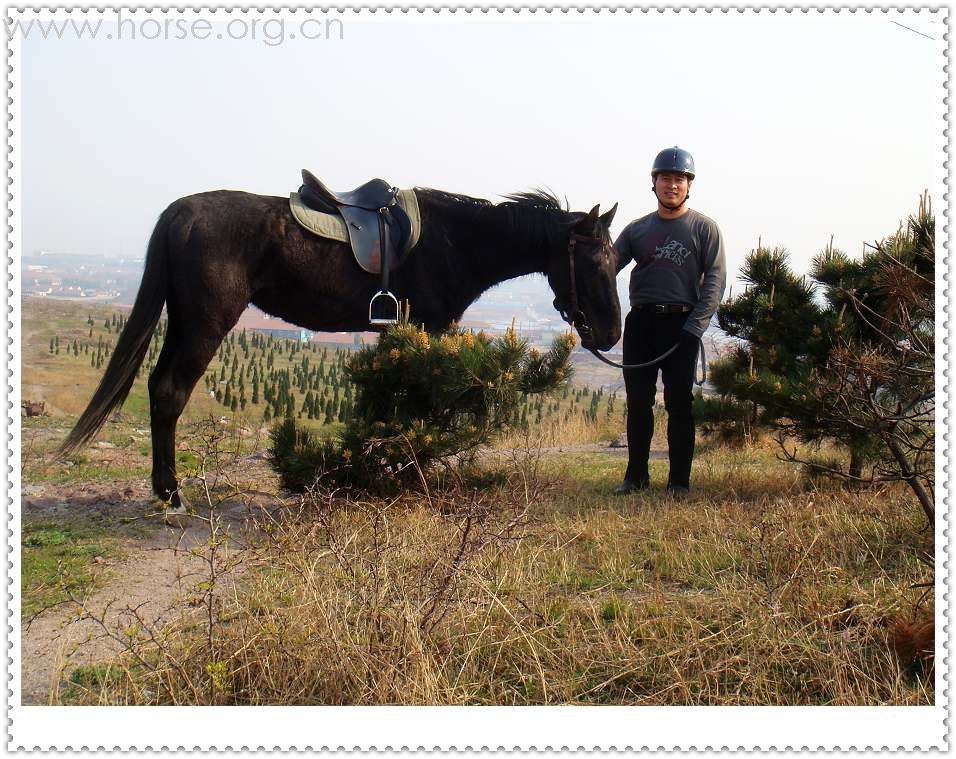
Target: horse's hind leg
{"points": [[185, 355]]}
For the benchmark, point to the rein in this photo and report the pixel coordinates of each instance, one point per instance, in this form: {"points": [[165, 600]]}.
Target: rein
{"points": [[577, 319]]}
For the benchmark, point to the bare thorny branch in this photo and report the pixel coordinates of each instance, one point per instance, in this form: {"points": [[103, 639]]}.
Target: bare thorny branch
{"points": [[885, 390], [154, 643]]}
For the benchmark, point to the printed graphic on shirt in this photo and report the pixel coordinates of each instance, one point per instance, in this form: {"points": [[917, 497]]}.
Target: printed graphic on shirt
{"points": [[672, 251]]}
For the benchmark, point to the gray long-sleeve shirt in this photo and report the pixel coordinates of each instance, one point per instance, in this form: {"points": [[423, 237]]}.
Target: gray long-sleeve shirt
{"points": [[678, 261]]}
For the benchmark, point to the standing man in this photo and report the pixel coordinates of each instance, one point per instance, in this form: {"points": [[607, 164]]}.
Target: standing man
{"points": [[675, 289]]}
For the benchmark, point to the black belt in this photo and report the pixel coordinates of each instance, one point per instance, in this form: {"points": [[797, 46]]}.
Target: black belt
{"points": [[664, 308]]}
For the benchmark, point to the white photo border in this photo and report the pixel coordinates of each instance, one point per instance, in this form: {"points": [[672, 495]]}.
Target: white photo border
{"points": [[458, 729]]}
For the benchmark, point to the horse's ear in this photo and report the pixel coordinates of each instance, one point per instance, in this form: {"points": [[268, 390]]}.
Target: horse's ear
{"points": [[585, 222], [608, 217]]}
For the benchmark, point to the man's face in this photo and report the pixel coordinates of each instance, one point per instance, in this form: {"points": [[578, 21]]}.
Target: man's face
{"points": [[671, 188]]}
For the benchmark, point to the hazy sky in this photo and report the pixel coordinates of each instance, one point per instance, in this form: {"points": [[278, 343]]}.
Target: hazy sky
{"points": [[802, 125]]}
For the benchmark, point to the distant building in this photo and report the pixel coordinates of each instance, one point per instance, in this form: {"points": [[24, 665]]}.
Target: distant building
{"points": [[301, 335], [354, 339]]}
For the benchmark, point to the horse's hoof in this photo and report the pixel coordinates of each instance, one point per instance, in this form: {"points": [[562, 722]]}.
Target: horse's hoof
{"points": [[177, 517], [176, 512]]}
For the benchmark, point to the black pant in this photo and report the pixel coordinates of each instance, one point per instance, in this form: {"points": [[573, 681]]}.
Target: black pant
{"points": [[646, 336]]}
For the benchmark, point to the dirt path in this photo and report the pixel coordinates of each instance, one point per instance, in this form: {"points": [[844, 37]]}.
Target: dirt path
{"points": [[157, 575]]}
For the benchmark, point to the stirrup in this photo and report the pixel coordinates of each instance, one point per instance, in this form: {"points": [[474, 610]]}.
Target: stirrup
{"points": [[383, 321]]}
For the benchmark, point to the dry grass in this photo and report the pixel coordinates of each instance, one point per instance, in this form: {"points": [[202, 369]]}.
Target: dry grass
{"points": [[527, 585], [564, 432], [543, 590], [553, 433]]}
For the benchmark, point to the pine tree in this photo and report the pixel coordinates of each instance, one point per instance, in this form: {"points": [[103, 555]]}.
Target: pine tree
{"points": [[792, 330], [432, 396]]}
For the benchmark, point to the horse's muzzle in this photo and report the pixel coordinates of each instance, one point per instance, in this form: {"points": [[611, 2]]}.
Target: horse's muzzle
{"points": [[591, 338]]}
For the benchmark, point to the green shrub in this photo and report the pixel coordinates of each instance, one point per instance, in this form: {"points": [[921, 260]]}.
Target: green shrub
{"points": [[420, 398], [729, 420]]}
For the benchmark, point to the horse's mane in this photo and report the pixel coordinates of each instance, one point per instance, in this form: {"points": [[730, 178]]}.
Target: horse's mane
{"points": [[536, 215], [539, 199], [442, 197]]}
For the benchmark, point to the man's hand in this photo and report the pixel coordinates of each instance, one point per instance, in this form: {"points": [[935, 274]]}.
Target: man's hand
{"points": [[688, 341]]}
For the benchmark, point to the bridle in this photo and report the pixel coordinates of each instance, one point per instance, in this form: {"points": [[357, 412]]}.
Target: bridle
{"points": [[577, 319], [573, 315]]}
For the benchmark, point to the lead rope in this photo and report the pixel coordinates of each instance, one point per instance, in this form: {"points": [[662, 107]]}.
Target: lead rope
{"points": [[701, 353]]}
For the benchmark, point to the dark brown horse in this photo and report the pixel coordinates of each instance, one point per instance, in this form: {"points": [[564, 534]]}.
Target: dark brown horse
{"points": [[213, 254]]}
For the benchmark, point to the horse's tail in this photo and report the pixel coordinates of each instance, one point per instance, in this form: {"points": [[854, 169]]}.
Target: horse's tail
{"points": [[133, 341]]}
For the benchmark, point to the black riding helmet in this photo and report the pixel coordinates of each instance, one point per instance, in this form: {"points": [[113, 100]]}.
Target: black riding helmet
{"points": [[674, 159]]}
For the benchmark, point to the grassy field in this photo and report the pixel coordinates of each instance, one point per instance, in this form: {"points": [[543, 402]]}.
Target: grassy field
{"points": [[57, 557], [522, 582]]}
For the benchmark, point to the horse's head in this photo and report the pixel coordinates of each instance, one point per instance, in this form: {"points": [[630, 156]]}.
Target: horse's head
{"points": [[583, 277]]}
